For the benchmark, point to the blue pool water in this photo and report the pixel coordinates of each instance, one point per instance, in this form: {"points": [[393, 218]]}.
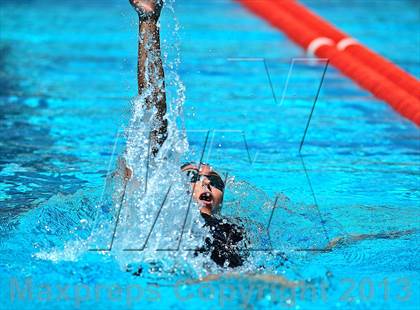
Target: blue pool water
{"points": [[67, 78]]}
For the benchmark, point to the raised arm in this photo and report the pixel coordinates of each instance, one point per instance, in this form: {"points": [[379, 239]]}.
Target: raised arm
{"points": [[150, 74]]}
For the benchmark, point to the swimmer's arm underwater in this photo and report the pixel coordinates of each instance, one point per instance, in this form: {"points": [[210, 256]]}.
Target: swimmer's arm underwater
{"points": [[150, 73], [355, 238]]}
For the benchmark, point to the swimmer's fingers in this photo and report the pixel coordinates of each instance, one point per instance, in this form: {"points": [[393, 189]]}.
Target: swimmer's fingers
{"points": [[123, 170], [128, 173], [147, 9]]}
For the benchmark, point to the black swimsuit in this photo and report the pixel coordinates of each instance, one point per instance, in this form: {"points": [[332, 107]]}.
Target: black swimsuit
{"points": [[223, 245]]}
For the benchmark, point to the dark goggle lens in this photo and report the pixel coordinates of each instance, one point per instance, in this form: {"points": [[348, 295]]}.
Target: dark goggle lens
{"points": [[215, 181], [194, 176]]}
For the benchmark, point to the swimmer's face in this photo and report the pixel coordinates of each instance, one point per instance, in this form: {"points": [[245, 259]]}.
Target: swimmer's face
{"points": [[207, 187]]}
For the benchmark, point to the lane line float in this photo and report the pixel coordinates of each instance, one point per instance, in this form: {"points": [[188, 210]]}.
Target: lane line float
{"points": [[382, 78], [379, 63]]}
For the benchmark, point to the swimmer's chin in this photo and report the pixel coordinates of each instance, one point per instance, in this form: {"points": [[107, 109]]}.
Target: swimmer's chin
{"points": [[205, 207], [204, 210]]}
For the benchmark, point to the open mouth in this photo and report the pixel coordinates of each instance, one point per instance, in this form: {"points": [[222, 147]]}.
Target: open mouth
{"points": [[206, 198]]}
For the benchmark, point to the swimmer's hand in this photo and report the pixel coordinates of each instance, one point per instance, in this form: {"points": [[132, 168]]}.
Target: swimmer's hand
{"points": [[123, 170], [147, 9], [128, 173]]}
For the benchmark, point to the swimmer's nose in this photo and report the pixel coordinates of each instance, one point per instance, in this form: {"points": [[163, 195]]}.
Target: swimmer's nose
{"points": [[205, 182]]}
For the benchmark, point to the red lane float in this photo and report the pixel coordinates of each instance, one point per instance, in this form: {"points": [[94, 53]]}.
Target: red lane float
{"points": [[374, 73], [350, 45]]}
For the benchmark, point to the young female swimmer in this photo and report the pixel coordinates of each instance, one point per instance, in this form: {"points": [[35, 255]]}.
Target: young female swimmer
{"points": [[206, 184]]}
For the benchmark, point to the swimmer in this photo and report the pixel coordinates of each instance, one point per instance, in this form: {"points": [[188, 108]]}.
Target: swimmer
{"points": [[226, 244], [206, 184]]}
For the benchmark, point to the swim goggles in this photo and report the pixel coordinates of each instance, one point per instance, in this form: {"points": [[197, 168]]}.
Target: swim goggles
{"points": [[215, 180]]}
